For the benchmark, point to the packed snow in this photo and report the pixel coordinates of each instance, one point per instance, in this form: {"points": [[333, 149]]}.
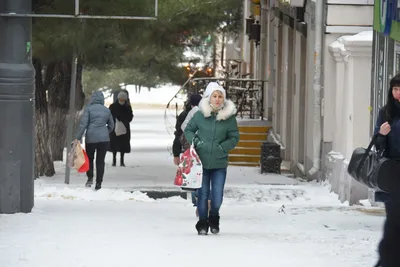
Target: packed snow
{"points": [[266, 219]]}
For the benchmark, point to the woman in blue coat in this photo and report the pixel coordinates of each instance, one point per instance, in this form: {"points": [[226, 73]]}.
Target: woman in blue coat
{"points": [[98, 123]]}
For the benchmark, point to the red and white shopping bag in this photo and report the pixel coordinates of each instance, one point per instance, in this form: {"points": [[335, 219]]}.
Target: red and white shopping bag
{"points": [[190, 170], [77, 157]]}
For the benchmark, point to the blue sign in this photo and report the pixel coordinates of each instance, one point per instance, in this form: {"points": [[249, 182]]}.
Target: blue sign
{"points": [[384, 19], [387, 12]]}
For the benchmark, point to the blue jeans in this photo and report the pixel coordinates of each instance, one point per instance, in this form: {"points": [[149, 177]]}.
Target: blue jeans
{"points": [[215, 179], [195, 194]]}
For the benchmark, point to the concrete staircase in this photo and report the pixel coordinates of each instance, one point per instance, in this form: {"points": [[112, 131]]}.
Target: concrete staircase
{"points": [[248, 151]]}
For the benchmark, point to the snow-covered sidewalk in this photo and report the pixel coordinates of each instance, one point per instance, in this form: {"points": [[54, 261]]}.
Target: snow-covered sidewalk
{"points": [[113, 228], [150, 164], [266, 220]]}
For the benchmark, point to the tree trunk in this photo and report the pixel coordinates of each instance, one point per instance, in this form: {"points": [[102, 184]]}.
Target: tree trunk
{"points": [[79, 95], [58, 82], [43, 160], [58, 78]]}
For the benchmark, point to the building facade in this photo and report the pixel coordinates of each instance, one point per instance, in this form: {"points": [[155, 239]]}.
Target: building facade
{"points": [[316, 57], [386, 59]]}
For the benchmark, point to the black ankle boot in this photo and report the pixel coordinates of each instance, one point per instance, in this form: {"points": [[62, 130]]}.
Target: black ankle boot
{"points": [[114, 162], [98, 186], [214, 224], [89, 182], [202, 227]]}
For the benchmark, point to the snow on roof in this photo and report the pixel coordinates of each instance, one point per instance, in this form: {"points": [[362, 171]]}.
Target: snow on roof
{"points": [[359, 38]]}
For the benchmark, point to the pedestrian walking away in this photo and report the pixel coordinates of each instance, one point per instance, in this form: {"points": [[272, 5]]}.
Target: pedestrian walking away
{"points": [[98, 123]]}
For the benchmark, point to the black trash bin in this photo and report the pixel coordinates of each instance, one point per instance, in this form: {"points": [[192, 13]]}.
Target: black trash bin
{"points": [[270, 158]]}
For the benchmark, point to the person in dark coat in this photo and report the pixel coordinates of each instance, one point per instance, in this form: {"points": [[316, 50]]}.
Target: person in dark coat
{"points": [[179, 141], [122, 111], [388, 129], [177, 146]]}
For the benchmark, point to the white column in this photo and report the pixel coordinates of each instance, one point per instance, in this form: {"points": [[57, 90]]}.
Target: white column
{"points": [[284, 84], [309, 120], [271, 63], [360, 57], [347, 99], [264, 55], [245, 39], [274, 73], [296, 100], [335, 50]]}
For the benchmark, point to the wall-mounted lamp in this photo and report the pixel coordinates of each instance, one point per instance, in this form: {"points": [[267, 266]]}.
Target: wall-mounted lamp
{"points": [[255, 32], [249, 23]]}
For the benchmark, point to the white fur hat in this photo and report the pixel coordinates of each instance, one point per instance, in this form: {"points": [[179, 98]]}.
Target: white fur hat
{"points": [[211, 88]]}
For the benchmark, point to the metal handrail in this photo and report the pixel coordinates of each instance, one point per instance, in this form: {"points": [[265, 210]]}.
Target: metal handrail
{"points": [[229, 79], [245, 91], [182, 87], [233, 85]]}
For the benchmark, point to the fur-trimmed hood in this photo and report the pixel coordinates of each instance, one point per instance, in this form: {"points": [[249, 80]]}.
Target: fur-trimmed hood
{"points": [[225, 113]]}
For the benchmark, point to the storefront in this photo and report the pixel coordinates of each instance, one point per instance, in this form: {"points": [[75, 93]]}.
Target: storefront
{"points": [[386, 49], [284, 58]]}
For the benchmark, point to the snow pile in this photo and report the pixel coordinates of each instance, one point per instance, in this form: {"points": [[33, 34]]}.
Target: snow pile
{"points": [[365, 203], [359, 38], [312, 195], [87, 194]]}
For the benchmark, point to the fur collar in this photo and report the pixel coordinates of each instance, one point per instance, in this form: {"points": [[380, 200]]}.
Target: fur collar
{"points": [[225, 113]]}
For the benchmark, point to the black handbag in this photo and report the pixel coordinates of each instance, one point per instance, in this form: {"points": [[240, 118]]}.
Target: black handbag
{"points": [[373, 170]]}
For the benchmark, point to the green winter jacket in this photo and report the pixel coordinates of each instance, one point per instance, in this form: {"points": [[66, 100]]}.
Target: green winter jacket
{"points": [[213, 135]]}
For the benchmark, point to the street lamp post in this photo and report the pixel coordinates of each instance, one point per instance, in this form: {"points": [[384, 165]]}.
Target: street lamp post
{"points": [[16, 108]]}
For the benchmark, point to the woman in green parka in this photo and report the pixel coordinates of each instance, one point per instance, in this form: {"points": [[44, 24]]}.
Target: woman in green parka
{"points": [[214, 132]]}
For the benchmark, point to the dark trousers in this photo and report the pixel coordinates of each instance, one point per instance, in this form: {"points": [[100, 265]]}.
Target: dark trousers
{"points": [[389, 245], [115, 157], [101, 150]]}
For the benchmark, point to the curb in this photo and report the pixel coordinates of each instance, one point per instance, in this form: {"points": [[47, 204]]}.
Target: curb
{"points": [[372, 211], [160, 194]]}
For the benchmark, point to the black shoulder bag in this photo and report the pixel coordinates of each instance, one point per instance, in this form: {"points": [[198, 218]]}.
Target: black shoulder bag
{"points": [[373, 170]]}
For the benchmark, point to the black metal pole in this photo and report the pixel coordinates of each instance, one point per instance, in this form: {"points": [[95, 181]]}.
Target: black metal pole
{"points": [[17, 131]]}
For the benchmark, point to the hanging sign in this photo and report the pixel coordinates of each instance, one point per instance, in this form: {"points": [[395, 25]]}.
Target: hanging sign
{"points": [[386, 15]]}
